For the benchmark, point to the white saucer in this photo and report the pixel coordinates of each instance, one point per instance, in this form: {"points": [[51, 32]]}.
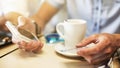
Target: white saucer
{"points": [[60, 47]]}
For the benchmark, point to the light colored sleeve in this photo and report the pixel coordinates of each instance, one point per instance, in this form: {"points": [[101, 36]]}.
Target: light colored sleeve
{"points": [[56, 3]]}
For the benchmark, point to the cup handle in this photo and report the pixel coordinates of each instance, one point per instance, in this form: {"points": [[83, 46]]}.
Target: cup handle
{"points": [[60, 29]]}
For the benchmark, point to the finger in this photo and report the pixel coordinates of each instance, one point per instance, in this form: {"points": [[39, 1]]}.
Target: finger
{"points": [[40, 44], [88, 50], [37, 44], [87, 41], [29, 46], [21, 21], [37, 47], [109, 51], [22, 44], [34, 45], [100, 59], [15, 39], [97, 58], [26, 46]]}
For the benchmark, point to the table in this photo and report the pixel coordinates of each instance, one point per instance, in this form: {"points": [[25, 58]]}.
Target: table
{"points": [[6, 49], [47, 58]]}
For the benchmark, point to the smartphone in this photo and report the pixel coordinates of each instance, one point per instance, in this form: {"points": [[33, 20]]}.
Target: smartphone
{"points": [[13, 29]]}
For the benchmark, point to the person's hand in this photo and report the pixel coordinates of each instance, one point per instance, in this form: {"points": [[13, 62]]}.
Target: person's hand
{"points": [[104, 48], [2, 24], [26, 24], [33, 46], [10, 16], [28, 46]]}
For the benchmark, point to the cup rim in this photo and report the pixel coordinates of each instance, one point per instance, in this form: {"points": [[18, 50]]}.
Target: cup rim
{"points": [[82, 20]]}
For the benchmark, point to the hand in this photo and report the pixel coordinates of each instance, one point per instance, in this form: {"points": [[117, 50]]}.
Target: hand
{"points": [[105, 46], [26, 24], [33, 46], [2, 24]]}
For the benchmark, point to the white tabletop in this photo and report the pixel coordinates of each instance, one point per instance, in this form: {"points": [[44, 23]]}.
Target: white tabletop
{"points": [[47, 58], [5, 49]]}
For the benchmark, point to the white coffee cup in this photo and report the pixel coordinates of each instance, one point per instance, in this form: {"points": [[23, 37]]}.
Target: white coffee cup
{"points": [[72, 31]]}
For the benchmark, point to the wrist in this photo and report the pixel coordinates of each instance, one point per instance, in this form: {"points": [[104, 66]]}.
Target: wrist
{"points": [[40, 22], [37, 29]]}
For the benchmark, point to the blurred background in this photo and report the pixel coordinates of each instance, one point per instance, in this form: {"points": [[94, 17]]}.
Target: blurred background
{"points": [[28, 8]]}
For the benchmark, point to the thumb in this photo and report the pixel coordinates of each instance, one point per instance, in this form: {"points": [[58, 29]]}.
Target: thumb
{"points": [[14, 39], [21, 21]]}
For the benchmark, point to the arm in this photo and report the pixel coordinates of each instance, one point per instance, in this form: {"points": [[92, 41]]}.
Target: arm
{"points": [[13, 17], [2, 25], [45, 13], [42, 16]]}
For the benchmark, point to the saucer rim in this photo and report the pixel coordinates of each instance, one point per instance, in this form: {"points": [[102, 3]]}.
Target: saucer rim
{"points": [[68, 54]]}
